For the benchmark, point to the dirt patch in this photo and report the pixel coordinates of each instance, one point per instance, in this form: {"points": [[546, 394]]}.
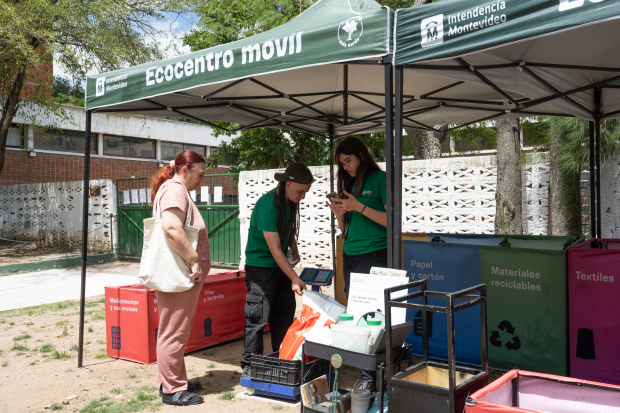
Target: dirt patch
{"points": [[34, 374], [38, 367], [19, 252]]}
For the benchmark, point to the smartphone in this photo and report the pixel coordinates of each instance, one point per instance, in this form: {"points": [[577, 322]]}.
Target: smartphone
{"points": [[331, 195]]}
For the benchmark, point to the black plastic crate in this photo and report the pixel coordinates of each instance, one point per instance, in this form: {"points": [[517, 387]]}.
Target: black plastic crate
{"points": [[273, 369]]}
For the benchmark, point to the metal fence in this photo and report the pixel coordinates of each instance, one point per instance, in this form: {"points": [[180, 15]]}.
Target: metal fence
{"points": [[217, 201]]}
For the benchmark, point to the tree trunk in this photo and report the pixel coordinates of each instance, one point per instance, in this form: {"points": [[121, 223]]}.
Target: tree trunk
{"points": [[424, 144], [11, 105], [508, 215], [564, 197], [278, 141], [299, 151]]}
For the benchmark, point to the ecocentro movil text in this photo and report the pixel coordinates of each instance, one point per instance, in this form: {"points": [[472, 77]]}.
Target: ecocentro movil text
{"points": [[215, 61]]}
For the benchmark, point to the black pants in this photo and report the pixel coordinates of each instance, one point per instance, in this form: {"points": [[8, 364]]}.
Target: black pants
{"points": [[270, 298], [362, 264]]}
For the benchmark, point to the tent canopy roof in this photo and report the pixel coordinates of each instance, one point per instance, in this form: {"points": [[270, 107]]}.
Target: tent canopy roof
{"points": [[283, 70], [325, 67], [553, 53]]}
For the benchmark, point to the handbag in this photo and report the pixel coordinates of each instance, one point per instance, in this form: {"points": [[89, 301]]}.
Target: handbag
{"points": [[161, 267]]}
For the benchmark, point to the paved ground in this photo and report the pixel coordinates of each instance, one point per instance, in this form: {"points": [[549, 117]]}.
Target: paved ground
{"points": [[52, 286]]}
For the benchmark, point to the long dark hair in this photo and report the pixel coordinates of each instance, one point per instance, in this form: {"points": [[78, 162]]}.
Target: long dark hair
{"points": [[353, 146], [280, 198], [188, 158]]}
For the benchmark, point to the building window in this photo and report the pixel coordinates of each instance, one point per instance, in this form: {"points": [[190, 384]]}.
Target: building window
{"points": [[227, 158], [61, 140], [131, 147], [170, 150], [15, 139]]}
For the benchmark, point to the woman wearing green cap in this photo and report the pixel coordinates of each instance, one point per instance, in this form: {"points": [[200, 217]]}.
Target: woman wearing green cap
{"points": [[270, 278], [361, 213]]}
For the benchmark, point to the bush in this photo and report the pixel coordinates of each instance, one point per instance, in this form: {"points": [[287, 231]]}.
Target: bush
{"points": [[60, 355], [227, 395], [24, 336], [47, 348]]}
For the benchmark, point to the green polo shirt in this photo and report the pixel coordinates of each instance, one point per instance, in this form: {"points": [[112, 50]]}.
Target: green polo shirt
{"points": [[365, 235], [264, 218]]}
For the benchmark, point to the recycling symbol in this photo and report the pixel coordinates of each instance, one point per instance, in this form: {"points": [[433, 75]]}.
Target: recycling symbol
{"points": [[513, 344]]}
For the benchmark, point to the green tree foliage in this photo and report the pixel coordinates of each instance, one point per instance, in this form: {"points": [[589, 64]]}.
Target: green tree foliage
{"points": [[83, 36], [264, 148], [226, 21], [67, 92]]}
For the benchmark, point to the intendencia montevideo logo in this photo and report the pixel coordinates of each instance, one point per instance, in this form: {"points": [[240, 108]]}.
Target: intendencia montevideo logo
{"points": [[432, 28], [107, 84]]}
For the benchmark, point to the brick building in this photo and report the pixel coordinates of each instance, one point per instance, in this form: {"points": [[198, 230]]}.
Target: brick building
{"points": [[122, 146]]}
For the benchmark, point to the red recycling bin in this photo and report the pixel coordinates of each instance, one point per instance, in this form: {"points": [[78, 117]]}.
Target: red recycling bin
{"points": [[132, 317], [524, 391]]}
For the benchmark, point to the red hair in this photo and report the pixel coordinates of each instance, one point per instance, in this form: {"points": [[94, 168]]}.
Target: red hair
{"points": [[188, 158]]}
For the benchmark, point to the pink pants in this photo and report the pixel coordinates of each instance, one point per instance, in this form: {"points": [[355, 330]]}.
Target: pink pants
{"points": [[176, 316]]}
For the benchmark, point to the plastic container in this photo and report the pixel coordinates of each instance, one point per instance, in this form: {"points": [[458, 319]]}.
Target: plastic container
{"points": [[272, 369], [374, 325], [350, 338], [360, 400], [346, 320]]}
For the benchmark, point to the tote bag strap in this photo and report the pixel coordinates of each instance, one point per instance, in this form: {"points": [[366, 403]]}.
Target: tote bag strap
{"points": [[156, 209]]}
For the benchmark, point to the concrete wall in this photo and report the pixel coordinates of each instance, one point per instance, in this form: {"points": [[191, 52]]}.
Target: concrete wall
{"points": [[135, 126], [51, 213], [451, 195]]}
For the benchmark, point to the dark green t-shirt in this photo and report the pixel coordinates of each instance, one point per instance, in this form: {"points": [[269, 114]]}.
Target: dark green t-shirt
{"points": [[264, 218], [365, 235]]}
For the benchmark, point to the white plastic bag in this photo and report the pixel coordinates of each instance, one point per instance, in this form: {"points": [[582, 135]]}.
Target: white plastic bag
{"points": [[319, 311]]}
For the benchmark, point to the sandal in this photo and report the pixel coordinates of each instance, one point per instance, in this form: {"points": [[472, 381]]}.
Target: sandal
{"points": [[182, 398], [191, 387]]}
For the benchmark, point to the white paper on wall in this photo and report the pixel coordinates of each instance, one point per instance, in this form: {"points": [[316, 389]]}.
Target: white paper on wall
{"points": [[126, 199], [134, 196], [148, 193], [204, 195], [143, 196], [193, 195], [217, 194], [366, 297]]}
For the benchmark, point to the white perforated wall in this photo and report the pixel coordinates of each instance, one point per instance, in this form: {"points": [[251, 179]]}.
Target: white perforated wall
{"points": [[51, 213], [452, 195]]}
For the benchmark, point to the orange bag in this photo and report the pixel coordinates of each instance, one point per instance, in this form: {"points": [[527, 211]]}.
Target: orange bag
{"points": [[319, 310]]}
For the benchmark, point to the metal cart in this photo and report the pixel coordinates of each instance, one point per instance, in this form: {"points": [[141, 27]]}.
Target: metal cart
{"points": [[353, 359], [432, 386]]}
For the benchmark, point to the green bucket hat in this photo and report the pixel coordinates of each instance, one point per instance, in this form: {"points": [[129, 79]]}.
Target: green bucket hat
{"points": [[296, 172]]}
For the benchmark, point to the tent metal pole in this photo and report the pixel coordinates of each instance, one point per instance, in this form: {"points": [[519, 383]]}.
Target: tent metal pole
{"points": [[389, 160], [398, 165], [599, 198], [592, 184], [331, 189], [598, 94], [345, 94], [84, 236]]}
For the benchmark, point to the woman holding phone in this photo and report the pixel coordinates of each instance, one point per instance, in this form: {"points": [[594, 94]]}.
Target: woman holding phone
{"points": [[360, 209]]}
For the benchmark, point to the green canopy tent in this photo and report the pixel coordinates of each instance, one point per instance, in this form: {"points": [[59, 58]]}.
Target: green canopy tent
{"points": [[325, 73], [553, 53]]}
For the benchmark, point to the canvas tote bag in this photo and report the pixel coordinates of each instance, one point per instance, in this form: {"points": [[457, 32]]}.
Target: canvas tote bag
{"points": [[161, 267]]}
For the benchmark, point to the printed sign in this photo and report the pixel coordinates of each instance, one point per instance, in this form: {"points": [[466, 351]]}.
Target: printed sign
{"points": [[366, 299]]}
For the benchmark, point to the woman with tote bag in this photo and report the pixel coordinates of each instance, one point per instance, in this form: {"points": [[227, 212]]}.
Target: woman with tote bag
{"points": [[175, 262]]}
